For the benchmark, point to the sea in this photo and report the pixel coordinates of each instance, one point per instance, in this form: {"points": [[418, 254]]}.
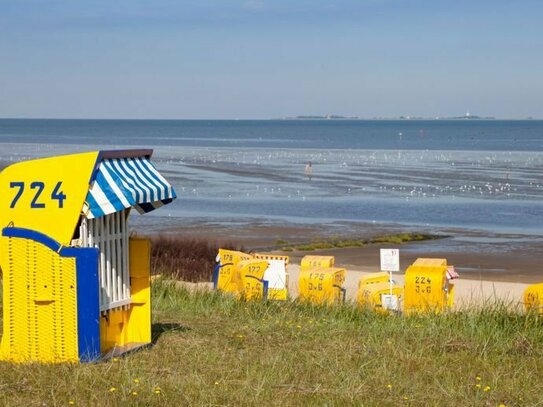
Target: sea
{"points": [[483, 176]]}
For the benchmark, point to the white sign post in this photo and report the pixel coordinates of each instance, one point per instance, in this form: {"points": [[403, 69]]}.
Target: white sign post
{"points": [[390, 261]]}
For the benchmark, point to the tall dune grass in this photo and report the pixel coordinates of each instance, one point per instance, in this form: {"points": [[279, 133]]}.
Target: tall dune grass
{"points": [[185, 259]]}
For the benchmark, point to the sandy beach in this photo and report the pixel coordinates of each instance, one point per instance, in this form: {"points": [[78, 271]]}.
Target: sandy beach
{"points": [[469, 293]]}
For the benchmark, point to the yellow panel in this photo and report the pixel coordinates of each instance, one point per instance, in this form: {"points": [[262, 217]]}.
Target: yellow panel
{"points": [[139, 324], [40, 303], [52, 193], [250, 282], [312, 262], [373, 278], [426, 286], [321, 285], [533, 298], [450, 295], [370, 295], [278, 294], [131, 326], [228, 281], [430, 262], [112, 328]]}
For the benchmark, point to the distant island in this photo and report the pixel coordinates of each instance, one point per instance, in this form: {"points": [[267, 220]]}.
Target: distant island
{"points": [[467, 116], [320, 117]]}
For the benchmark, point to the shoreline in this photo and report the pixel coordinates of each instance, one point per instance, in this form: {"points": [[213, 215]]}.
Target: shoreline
{"points": [[476, 256]]}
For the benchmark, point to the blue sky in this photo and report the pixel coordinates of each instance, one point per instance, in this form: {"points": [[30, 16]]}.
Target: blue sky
{"points": [[262, 59]]}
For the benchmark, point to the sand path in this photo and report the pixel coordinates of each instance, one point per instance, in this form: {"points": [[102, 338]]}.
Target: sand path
{"points": [[469, 293]]}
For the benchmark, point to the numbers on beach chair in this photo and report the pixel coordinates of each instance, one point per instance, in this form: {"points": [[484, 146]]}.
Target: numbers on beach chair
{"points": [[58, 195], [21, 188], [423, 284], [38, 187]]}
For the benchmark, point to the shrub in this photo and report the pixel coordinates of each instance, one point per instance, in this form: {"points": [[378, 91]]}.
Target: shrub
{"points": [[184, 258]]}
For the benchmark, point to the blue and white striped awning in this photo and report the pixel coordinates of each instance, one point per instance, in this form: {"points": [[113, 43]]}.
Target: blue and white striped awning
{"points": [[124, 183]]}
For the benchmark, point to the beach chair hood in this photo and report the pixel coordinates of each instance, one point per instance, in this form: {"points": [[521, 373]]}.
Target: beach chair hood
{"points": [[121, 182]]}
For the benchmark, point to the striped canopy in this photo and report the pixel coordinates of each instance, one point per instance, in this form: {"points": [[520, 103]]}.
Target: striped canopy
{"points": [[124, 183], [451, 273]]}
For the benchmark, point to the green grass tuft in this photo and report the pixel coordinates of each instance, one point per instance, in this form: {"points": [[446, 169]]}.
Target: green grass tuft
{"points": [[335, 243]]}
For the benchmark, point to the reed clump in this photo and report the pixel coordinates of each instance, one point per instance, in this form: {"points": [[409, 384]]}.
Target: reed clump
{"points": [[186, 259]]}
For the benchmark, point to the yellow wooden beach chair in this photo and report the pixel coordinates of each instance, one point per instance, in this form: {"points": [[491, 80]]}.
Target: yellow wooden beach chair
{"points": [[427, 286]]}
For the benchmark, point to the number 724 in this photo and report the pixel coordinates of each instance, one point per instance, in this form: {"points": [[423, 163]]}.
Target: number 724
{"points": [[38, 187]]}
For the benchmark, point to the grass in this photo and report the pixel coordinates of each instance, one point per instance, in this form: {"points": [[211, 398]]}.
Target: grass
{"points": [[337, 243], [212, 350]]}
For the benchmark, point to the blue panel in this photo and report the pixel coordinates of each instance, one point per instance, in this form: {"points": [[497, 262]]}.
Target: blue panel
{"points": [[265, 284], [216, 271], [88, 302], [32, 235]]}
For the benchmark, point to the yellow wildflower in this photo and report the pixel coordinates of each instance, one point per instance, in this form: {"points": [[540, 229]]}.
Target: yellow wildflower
{"points": [[487, 388], [71, 402], [478, 385], [134, 393], [158, 390], [112, 389], [136, 381], [389, 386]]}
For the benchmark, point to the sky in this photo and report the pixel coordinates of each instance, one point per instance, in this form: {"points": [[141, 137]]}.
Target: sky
{"points": [[202, 59]]}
